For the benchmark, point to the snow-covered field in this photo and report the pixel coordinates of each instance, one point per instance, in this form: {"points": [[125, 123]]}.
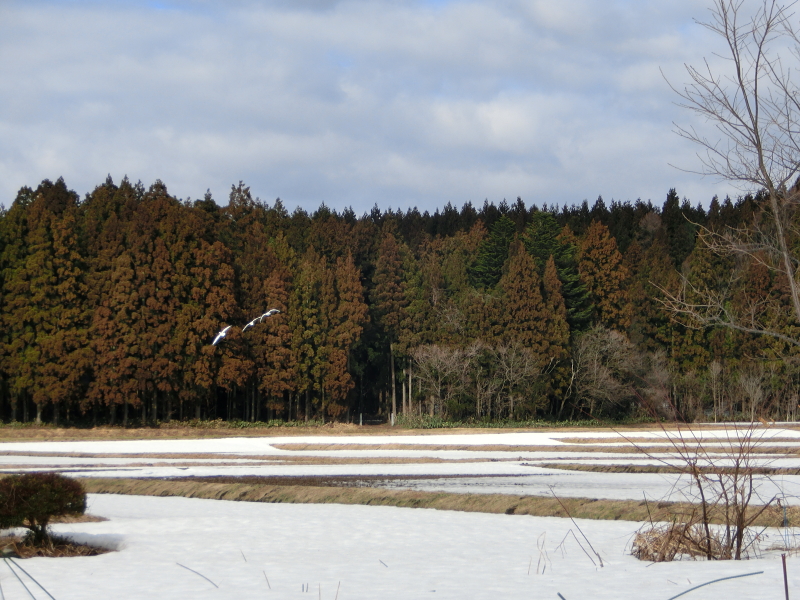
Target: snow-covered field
{"points": [[469, 468], [254, 550], [368, 552]]}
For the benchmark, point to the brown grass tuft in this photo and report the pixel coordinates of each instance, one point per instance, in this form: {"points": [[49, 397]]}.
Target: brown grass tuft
{"points": [[665, 542], [60, 547]]}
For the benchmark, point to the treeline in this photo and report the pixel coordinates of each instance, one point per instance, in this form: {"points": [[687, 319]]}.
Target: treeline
{"points": [[110, 304]]}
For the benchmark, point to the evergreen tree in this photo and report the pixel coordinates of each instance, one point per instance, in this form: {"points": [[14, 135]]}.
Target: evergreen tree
{"points": [[15, 333], [680, 230], [115, 341], [557, 326], [524, 313], [346, 322], [389, 300], [305, 321], [65, 351], [44, 300], [526, 321], [493, 253], [545, 238], [602, 271]]}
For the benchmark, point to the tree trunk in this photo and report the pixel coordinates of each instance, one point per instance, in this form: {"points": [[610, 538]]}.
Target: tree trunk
{"points": [[403, 387], [410, 387], [394, 390]]}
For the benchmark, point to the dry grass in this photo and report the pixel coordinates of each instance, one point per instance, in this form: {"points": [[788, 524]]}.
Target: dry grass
{"points": [[666, 542], [84, 518], [288, 491], [686, 440], [663, 469], [59, 547], [631, 449], [169, 431], [178, 430]]}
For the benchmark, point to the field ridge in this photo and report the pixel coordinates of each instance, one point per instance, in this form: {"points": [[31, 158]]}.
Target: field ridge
{"points": [[540, 506]]}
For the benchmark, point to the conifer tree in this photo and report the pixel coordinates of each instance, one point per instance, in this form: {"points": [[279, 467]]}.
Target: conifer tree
{"points": [[559, 336], [680, 231], [15, 333], [305, 321], [389, 300], [46, 304], [115, 341], [651, 270], [349, 317], [275, 362], [558, 328], [524, 313], [214, 291], [602, 271], [494, 252], [544, 238], [64, 351], [526, 326]]}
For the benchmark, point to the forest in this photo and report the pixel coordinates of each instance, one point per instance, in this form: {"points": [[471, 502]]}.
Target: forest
{"points": [[483, 314]]}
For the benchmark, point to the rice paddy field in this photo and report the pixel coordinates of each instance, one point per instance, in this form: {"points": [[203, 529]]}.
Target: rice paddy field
{"points": [[402, 514]]}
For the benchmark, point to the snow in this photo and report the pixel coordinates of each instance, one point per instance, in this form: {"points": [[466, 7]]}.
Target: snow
{"points": [[368, 552], [342, 552], [459, 471]]}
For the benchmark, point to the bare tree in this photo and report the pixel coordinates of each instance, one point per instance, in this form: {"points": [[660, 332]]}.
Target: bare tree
{"points": [[603, 363], [485, 381], [754, 106], [440, 370], [752, 391], [519, 368]]}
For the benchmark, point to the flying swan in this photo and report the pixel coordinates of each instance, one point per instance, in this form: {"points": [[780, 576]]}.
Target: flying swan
{"points": [[221, 334]]}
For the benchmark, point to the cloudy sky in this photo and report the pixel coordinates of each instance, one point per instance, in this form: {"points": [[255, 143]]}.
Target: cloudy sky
{"points": [[354, 102]]}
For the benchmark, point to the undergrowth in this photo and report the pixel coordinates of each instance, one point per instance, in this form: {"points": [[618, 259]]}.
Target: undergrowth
{"points": [[436, 422], [403, 422]]}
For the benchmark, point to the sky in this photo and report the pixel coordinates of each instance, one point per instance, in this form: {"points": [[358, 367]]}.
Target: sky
{"points": [[354, 103]]}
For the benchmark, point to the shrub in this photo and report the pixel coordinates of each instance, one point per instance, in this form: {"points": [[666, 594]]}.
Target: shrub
{"points": [[723, 477], [33, 499]]}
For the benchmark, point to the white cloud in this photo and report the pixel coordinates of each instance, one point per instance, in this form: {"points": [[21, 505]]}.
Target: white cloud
{"points": [[350, 102]]}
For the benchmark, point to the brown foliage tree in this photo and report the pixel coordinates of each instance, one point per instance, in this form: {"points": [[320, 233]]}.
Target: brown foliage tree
{"points": [[602, 271]]}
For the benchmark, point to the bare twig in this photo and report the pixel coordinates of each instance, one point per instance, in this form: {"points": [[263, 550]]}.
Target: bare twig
{"points": [[200, 574], [576, 526]]}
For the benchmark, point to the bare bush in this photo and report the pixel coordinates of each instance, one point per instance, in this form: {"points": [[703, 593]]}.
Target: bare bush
{"points": [[724, 480], [665, 542]]}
